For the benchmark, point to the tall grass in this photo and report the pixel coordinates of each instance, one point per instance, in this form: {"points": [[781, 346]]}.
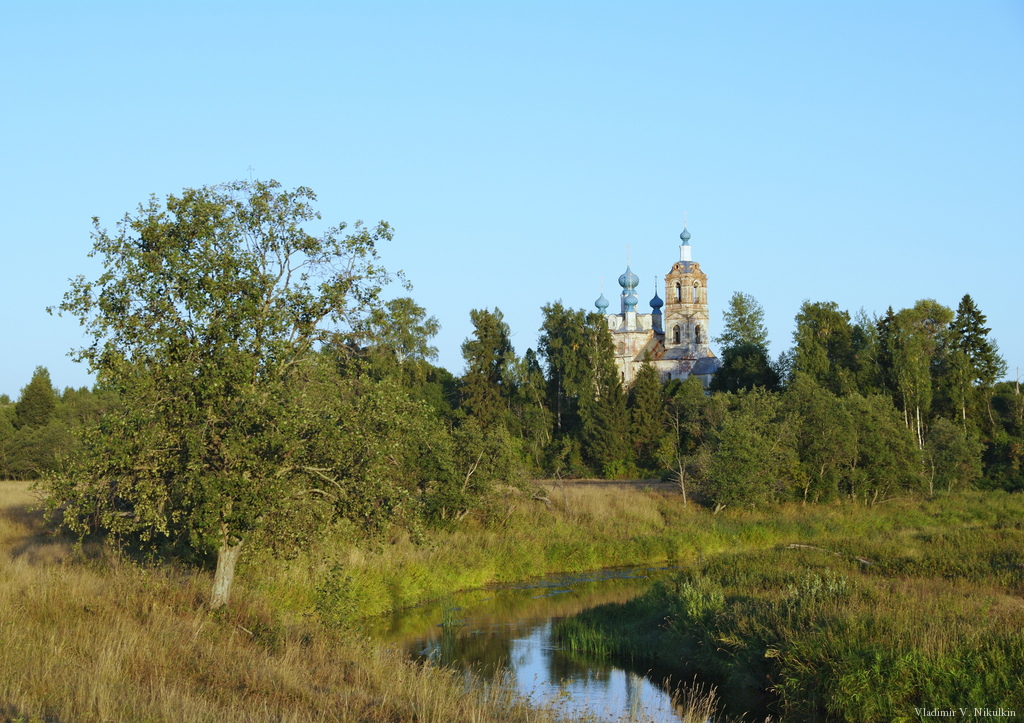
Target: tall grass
{"points": [[915, 606], [88, 637]]}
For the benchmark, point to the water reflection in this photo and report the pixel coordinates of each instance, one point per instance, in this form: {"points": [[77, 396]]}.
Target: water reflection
{"points": [[508, 632]]}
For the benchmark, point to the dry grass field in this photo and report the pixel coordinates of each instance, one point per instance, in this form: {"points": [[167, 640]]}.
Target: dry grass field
{"points": [[88, 637]]}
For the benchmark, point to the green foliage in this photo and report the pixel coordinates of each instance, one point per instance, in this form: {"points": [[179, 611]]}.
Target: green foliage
{"points": [[970, 336], [745, 366], [488, 386], [824, 437], [952, 455], [743, 323], [37, 402], [886, 459], [911, 342], [824, 346], [207, 308], [532, 419], [585, 393], [752, 454], [648, 420], [402, 329]]}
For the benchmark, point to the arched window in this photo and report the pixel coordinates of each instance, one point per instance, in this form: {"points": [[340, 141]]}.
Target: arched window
{"points": [[676, 335], [696, 333], [696, 292], [679, 292], [622, 348]]}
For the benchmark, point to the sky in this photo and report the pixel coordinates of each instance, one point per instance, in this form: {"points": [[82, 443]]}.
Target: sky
{"points": [[866, 153]]}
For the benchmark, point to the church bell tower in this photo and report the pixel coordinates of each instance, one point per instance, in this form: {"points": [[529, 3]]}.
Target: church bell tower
{"points": [[686, 305]]}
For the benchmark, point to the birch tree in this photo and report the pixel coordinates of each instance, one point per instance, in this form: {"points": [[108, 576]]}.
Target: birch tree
{"points": [[208, 306]]}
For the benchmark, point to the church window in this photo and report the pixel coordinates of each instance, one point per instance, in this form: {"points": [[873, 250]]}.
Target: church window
{"points": [[679, 292], [696, 333], [676, 335], [622, 348], [696, 293]]}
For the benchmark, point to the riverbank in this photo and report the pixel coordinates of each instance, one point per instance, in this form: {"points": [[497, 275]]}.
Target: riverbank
{"points": [[88, 637], [91, 637], [923, 614]]}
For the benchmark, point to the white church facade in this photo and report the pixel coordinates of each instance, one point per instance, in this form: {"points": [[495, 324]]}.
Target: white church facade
{"points": [[676, 333]]}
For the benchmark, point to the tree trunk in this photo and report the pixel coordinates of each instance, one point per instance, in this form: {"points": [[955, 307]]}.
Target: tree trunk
{"points": [[227, 557]]}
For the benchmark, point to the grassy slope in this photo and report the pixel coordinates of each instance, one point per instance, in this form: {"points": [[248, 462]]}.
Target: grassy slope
{"points": [[92, 638], [87, 638]]}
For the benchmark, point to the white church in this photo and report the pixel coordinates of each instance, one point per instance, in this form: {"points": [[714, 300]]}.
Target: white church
{"points": [[676, 333]]}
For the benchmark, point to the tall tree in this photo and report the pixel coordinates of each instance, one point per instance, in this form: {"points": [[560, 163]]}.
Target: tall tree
{"points": [[488, 385], [752, 454], [37, 402], [208, 308], [952, 455], [685, 406], [886, 457], [534, 422], [824, 437], [402, 329], [647, 416], [584, 387], [744, 367], [824, 346], [975, 363], [743, 323], [912, 341], [970, 335]]}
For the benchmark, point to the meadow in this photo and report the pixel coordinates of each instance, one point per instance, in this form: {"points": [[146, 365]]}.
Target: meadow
{"points": [[92, 635]]}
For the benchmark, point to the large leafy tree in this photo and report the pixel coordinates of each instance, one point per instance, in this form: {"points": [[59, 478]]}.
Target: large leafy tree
{"points": [[686, 408], [744, 367], [911, 341], [209, 307], [753, 459], [824, 437], [824, 346], [743, 323]]}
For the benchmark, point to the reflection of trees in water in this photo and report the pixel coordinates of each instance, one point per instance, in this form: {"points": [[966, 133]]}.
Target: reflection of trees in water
{"points": [[483, 652], [572, 667]]}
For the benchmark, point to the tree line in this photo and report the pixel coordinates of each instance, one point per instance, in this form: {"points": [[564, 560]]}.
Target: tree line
{"points": [[253, 387], [859, 407]]}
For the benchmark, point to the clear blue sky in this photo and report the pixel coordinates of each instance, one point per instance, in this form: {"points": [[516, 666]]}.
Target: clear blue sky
{"points": [[867, 153]]}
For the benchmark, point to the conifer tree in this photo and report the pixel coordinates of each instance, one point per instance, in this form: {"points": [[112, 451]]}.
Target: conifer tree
{"points": [[584, 389], [489, 382], [647, 415], [37, 402], [970, 335]]}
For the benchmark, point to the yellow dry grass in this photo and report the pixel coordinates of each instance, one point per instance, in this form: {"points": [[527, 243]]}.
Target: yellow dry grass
{"points": [[88, 637]]}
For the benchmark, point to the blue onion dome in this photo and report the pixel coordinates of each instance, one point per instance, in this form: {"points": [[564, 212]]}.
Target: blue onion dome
{"points": [[629, 280], [631, 301], [685, 236], [657, 303], [601, 304]]}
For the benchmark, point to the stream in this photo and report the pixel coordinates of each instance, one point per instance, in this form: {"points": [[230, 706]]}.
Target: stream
{"points": [[506, 632]]}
